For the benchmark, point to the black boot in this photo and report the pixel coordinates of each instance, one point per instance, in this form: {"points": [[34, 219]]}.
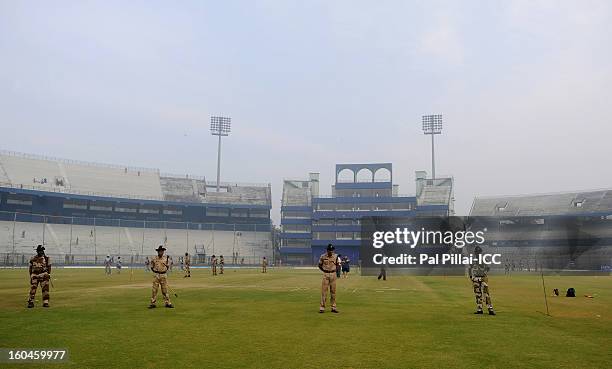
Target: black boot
{"points": [[30, 304]]}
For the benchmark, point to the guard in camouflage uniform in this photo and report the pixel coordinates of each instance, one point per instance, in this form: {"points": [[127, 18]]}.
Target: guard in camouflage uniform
{"points": [[40, 273], [159, 266], [187, 265], [327, 264], [478, 274], [214, 264]]}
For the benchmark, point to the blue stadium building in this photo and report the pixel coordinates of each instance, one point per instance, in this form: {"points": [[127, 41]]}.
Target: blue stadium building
{"points": [[310, 221]]}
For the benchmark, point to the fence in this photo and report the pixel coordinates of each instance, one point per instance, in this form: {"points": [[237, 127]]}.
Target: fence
{"points": [[132, 261], [77, 240]]}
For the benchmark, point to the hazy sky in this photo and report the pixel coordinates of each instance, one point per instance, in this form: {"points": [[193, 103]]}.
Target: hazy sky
{"points": [[524, 86]]}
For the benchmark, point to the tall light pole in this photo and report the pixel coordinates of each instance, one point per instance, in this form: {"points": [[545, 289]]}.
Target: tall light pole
{"points": [[432, 125], [220, 126]]}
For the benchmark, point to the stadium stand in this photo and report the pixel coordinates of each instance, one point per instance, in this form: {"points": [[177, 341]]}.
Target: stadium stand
{"points": [[582, 202], [114, 181], [180, 189], [4, 178], [240, 194], [434, 191], [30, 171], [83, 211], [557, 231], [295, 194]]}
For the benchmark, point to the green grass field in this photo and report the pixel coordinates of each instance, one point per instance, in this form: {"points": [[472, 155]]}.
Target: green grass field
{"points": [[246, 319]]}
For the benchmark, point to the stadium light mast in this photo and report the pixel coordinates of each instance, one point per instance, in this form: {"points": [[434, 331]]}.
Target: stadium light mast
{"points": [[220, 126], [432, 125]]}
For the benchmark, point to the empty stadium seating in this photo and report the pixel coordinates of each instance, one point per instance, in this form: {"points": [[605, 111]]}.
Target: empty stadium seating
{"points": [[28, 171], [253, 195], [180, 189], [544, 204], [21, 238], [114, 181], [59, 175], [96, 229], [296, 196], [435, 195]]}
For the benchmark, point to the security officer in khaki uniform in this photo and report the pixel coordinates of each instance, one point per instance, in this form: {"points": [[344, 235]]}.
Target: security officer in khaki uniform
{"points": [[328, 263], [40, 273], [159, 266], [187, 264], [264, 265]]}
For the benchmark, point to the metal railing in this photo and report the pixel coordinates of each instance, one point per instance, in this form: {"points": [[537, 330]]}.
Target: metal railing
{"points": [[238, 184], [97, 236], [56, 189], [214, 199], [76, 162], [128, 261], [360, 197], [182, 176], [129, 168]]}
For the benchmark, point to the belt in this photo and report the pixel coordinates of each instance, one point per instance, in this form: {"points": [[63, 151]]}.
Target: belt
{"points": [[325, 271], [159, 272]]}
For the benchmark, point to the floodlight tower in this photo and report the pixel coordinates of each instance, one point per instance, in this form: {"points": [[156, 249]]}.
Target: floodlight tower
{"points": [[432, 125], [220, 126]]}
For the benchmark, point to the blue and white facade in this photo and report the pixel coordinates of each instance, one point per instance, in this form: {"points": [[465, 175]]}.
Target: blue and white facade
{"points": [[360, 190]]}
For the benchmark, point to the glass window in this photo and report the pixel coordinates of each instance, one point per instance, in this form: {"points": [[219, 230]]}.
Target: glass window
{"points": [[324, 235], [242, 213], [258, 213], [299, 228], [69, 204], [344, 222], [326, 207], [173, 212], [148, 211], [19, 202], [295, 214], [344, 235], [100, 207], [217, 212]]}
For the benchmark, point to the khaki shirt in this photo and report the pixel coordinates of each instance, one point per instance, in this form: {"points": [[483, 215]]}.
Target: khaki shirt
{"points": [[328, 263], [40, 264], [160, 265]]}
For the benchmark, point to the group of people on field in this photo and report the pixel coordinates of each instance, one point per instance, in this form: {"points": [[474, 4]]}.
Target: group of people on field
{"points": [[331, 264]]}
